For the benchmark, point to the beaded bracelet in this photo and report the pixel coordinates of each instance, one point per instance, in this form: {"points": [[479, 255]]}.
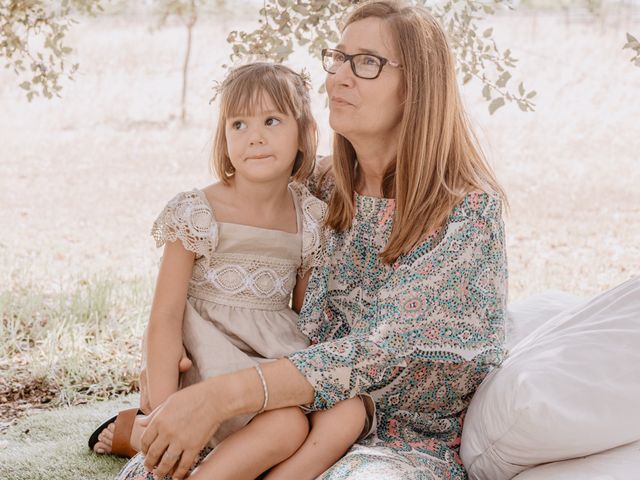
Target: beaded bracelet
{"points": [[264, 389]]}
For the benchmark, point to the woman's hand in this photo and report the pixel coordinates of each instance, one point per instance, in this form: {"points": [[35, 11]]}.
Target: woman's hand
{"points": [[179, 428]]}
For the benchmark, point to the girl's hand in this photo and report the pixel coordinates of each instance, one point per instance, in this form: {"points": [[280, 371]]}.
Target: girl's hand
{"points": [[145, 405], [179, 428]]}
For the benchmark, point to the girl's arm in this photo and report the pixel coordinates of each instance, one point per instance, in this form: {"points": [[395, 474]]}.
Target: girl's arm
{"points": [[299, 290], [164, 333]]}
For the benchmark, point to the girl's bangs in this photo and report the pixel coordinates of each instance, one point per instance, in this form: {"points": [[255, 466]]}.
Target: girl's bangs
{"points": [[250, 93]]}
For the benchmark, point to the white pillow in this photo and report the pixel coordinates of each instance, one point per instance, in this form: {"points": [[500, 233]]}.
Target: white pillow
{"points": [[621, 463], [569, 389], [524, 316]]}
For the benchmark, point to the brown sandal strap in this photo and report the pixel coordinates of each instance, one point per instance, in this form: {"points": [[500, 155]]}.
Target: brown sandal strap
{"points": [[122, 433]]}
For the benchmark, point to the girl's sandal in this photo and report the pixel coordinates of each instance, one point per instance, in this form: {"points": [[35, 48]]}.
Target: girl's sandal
{"points": [[121, 433]]}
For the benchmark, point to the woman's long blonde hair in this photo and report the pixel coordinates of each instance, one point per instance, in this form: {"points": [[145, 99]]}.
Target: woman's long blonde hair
{"points": [[439, 160], [243, 91]]}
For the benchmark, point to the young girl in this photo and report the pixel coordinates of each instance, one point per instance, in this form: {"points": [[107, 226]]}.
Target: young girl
{"points": [[236, 253]]}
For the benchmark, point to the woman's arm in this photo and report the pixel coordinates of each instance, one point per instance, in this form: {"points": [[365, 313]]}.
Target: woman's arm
{"points": [[459, 288], [164, 333]]}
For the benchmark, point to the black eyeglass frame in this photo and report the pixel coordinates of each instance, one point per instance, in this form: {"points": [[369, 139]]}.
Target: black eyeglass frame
{"points": [[383, 62]]}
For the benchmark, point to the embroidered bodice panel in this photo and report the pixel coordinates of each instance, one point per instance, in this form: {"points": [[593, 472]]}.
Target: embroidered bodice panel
{"points": [[241, 265]]}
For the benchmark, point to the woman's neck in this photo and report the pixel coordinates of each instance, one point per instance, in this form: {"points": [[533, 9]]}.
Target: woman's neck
{"points": [[374, 158]]}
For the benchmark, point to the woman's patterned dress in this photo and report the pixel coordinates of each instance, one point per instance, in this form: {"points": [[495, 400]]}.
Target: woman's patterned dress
{"points": [[417, 336]]}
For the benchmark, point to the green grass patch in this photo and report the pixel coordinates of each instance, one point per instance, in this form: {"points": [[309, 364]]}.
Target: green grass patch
{"points": [[54, 444], [81, 341]]}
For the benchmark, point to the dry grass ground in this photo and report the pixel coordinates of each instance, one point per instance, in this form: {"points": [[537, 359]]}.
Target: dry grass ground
{"points": [[83, 177]]}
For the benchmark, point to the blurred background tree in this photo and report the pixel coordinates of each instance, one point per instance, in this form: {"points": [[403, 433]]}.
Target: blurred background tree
{"points": [[187, 11], [316, 23], [633, 45], [32, 41], [33, 34]]}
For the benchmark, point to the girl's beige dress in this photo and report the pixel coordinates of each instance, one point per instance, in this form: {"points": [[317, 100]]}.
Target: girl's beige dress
{"points": [[237, 312]]}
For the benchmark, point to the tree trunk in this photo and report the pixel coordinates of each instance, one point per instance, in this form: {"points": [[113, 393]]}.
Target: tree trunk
{"points": [[191, 21]]}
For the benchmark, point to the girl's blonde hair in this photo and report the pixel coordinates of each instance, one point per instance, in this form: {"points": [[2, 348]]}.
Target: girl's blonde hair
{"points": [[438, 160], [244, 90]]}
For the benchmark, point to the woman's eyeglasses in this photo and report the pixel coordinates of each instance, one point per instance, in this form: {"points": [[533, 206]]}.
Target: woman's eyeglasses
{"points": [[363, 65]]}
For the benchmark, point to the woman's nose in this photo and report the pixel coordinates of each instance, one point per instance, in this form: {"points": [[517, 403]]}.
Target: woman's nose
{"points": [[344, 75]]}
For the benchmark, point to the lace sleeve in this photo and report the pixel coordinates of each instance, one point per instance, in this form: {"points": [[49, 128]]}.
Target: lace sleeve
{"points": [[188, 218], [314, 211]]}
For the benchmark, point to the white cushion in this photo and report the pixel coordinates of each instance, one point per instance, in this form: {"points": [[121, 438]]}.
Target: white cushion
{"points": [[524, 316], [569, 389], [621, 463]]}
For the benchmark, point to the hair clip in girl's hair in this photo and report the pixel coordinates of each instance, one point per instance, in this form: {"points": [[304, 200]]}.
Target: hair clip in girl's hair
{"points": [[306, 78]]}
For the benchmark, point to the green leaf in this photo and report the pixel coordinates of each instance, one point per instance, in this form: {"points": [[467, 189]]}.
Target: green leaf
{"points": [[504, 78], [25, 85], [314, 23], [532, 94], [495, 105], [486, 92]]}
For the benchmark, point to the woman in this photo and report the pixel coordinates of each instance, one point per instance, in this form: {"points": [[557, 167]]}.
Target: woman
{"points": [[409, 310]]}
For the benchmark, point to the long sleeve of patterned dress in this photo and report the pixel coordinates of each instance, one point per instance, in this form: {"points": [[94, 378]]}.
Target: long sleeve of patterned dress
{"points": [[421, 333]]}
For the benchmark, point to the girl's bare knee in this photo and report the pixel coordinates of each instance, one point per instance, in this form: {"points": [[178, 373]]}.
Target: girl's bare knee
{"points": [[346, 418], [292, 429]]}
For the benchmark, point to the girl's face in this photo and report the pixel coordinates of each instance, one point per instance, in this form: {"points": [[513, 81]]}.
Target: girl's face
{"points": [[262, 146], [361, 107]]}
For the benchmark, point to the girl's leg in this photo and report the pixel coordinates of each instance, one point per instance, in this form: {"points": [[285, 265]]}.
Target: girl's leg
{"points": [[105, 439], [267, 440], [136, 434], [332, 433]]}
